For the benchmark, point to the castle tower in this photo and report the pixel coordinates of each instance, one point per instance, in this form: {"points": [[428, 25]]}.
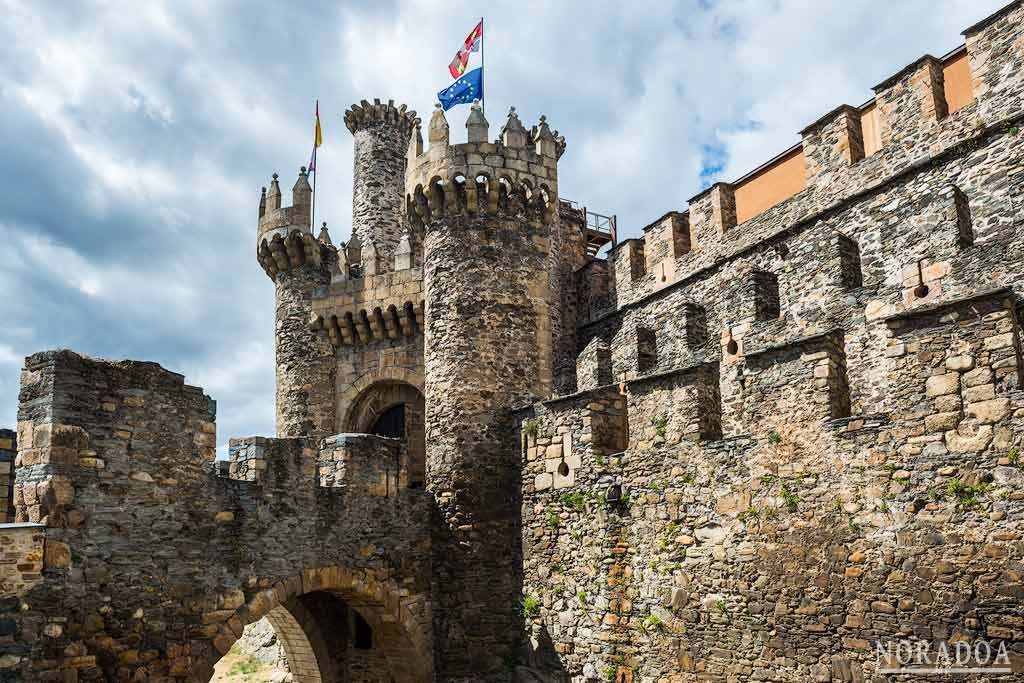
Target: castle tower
{"points": [[382, 133], [298, 264], [486, 211]]}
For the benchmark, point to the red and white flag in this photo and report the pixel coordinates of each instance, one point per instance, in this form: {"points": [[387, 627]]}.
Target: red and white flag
{"points": [[471, 44]]}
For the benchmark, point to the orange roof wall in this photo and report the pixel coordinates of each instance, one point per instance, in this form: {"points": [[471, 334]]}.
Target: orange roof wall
{"points": [[771, 185], [957, 75]]}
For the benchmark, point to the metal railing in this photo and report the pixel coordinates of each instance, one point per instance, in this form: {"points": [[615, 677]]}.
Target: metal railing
{"points": [[600, 222], [600, 226]]}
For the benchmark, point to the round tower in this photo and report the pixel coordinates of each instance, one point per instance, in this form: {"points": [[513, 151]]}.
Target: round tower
{"points": [[487, 237], [381, 133], [298, 264]]}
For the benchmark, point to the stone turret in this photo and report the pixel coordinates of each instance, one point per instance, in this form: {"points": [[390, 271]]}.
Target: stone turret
{"points": [[486, 211], [382, 134], [476, 124], [298, 263]]}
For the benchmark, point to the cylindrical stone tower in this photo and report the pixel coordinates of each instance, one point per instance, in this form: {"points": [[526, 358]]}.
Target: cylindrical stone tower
{"points": [[382, 133], [298, 264], [488, 350]]}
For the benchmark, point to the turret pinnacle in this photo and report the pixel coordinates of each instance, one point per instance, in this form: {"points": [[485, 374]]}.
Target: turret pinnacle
{"points": [[437, 132], [476, 124], [513, 134], [324, 237]]}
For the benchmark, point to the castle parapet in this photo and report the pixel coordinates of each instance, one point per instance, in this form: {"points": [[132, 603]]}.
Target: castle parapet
{"points": [[273, 216], [927, 109], [83, 421], [284, 238], [364, 463], [521, 159], [359, 311]]}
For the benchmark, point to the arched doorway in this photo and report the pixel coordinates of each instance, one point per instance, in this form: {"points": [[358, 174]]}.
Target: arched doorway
{"points": [[391, 423], [314, 638], [335, 624], [394, 409], [295, 650]]}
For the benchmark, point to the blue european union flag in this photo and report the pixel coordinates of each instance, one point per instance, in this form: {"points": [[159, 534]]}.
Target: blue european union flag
{"points": [[469, 87]]}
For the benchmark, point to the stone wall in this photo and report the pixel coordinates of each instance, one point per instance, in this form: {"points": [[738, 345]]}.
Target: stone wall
{"points": [[156, 559], [488, 344], [22, 553], [381, 134], [823, 411], [8, 450], [783, 555]]}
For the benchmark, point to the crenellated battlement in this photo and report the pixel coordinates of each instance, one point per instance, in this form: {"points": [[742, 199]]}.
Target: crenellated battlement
{"points": [[284, 238], [364, 115], [275, 217], [482, 196], [521, 159], [932, 107], [360, 311]]}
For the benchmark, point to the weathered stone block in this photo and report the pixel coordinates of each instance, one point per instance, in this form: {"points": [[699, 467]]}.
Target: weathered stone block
{"points": [[969, 443], [990, 411], [939, 385]]}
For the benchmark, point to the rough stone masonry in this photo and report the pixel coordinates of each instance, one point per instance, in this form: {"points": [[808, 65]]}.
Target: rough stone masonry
{"points": [[779, 431]]}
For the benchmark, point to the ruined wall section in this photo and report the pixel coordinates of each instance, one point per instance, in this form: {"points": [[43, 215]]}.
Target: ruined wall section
{"points": [[156, 556]]}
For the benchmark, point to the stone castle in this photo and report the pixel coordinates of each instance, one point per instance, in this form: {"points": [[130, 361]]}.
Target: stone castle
{"points": [[781, 428]]}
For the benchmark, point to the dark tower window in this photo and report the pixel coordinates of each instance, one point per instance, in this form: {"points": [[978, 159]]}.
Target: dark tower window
{"points": [[962, 214], [766, 295], [646, 350], [391, 423], [849, 262]]}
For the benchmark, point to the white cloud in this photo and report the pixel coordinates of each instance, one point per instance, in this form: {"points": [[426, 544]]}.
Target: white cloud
{"points": [[177, 112]]}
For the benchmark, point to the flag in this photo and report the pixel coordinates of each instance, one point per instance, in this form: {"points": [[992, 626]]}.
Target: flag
{"points": [[463, 91], [318, 138], [471, 44]]}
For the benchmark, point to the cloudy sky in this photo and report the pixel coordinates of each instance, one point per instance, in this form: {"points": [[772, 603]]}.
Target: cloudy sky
{"points": [[135, 136]]}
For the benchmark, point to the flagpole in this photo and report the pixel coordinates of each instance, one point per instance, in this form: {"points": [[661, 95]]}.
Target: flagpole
{"points": [[483, 92], [316, 163]]}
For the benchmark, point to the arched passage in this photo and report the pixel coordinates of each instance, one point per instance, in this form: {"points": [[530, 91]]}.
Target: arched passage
{"points": [[300, 636], [392, 408], [324, 617], [303, 662]]}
